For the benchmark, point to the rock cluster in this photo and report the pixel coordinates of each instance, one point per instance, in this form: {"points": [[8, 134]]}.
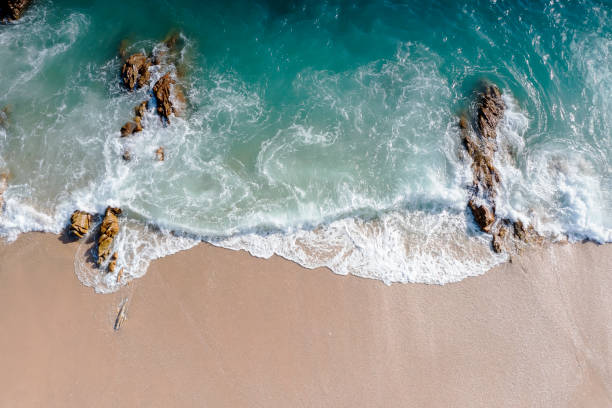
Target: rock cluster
{"points": [[479, 138], [135, 125], [80, 222], [108, 230], [11, 10]]}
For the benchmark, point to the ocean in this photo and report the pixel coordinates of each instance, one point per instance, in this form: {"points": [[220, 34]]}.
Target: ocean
{"points": [[325, 132]]}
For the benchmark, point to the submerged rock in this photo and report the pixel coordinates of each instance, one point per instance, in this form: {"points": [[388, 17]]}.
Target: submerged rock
{"points": [[159, 154], [108, 230], [135, 71], [161, 90], [11, 10], [80, 222]]}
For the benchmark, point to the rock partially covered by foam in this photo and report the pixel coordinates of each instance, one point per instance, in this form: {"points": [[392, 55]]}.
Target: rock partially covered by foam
{"points": [[80, 222], [162, 90], [11, 10], [480, 141], [108, 230], [135, 71]]}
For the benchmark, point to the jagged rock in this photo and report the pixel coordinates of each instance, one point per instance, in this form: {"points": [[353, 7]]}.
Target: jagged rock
{"points": [[140, 110], [479, 139], [113, 263], [128, 129], [483, 214], [161, 90], [137, 122], [108, 230], [135, 71], [159, 154], [11, 10], [80, 221]]}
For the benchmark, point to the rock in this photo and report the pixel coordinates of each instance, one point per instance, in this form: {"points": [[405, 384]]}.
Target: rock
{"points": [[519, 230], [128, 129], [480, 144], [140, 110], [80, 221], [483, 214], [479, 138], [159, 153], [120, 275], [161, 90], [108, 230], [11, 10], [135, 71], [126, 155], [113, 263], [4, 116]]}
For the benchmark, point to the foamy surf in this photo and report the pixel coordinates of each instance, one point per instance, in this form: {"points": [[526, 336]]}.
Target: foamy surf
{"points": [[344, 154]]}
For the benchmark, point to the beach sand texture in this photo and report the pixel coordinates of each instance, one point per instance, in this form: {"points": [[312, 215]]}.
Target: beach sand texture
{"points": [[213, 327]]}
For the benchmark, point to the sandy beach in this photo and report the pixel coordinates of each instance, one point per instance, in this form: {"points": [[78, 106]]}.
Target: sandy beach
{"points": [[213, 327]]}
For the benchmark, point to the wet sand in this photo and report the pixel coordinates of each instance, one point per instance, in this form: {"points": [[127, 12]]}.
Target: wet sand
{"points": [[213, 327]]}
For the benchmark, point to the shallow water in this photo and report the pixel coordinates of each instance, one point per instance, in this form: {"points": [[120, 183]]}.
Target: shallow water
{"points": [[325, 132]]}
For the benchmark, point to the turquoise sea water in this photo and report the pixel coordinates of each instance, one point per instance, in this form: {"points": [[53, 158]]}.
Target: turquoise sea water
{"points": [[325, 132]]}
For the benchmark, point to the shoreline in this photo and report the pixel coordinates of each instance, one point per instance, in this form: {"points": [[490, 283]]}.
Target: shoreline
{"points": [[214, 326]]}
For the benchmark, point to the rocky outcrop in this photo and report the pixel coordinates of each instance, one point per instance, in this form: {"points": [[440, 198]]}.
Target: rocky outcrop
{"points": [[161, 90], [135, 71], [11, 10], [80, 222], [479, 138], [108, 230]]}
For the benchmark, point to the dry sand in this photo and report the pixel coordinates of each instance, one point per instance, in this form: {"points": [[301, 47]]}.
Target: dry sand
{"points": [[212, 327]]}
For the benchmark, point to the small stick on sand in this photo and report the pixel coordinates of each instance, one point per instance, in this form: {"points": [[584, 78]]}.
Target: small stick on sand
{"points": [[122, 315]]}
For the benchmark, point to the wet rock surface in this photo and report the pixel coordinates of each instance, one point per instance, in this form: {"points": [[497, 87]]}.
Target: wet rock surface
{"points": [[80, 222], [161, 90], [108, 230], [11, 10], [479, 137], [135, 71]]}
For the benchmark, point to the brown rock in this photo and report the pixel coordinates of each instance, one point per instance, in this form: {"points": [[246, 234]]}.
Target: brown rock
{"points": [[128, 129], [119, 275], [483, 214], [135, 71], [519, 230], [112, 265], [126, 155], [140, 110], [159, 153], [161, 90], [108, 230], [11, 10], [80, 221]]}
